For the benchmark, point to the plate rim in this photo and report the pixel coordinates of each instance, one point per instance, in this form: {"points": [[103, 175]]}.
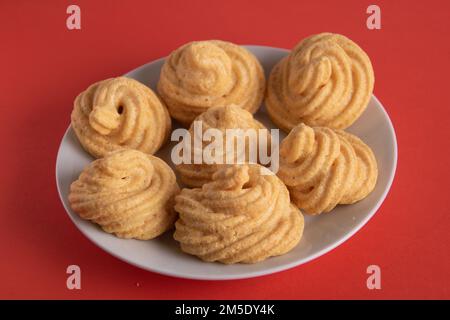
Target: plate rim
{"points": [[252, 274]]}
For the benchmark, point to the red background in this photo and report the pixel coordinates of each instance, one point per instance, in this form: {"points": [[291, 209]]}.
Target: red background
{"points": [[44, 66]]}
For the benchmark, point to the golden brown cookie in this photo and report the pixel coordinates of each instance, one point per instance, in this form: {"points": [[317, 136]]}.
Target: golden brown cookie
{"points": [[326, 80], [120, 112], [239, 217], [323, 167], [128, 193], [203, 74], [221, 119]]}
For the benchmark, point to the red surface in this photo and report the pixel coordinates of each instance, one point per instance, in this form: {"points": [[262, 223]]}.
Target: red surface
{"points": [[44, 66]]}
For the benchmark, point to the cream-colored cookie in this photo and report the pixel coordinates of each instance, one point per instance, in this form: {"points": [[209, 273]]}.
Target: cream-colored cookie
{"points": [[239, 217], [323, 167], [366, 173], [221, 119], [128, 193], [120, 112], [326, 80], [203, 74]]}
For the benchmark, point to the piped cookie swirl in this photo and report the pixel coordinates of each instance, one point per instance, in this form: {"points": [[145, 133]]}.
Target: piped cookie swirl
{"points": [[127, 193], [241, 216], [117, 113], [203, 74], [326, 80], [323, 167], [229, 122]]}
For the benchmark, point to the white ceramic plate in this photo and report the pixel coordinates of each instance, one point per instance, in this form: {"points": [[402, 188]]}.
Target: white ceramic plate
{"points": [[322, 233]]}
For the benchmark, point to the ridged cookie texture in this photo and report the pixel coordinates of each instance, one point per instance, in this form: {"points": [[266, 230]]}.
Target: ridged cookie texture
{"points": [[203, 74], [241, 216], [120, 112], [127, 193], [221, 119], [326, 80], [323, 167]]}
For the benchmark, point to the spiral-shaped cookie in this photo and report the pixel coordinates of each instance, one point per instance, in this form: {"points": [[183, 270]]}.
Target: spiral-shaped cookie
{"points": [[128, 193], [120, 112], [323, 167], [203, 74], [239, 217], [326, 80], [222, 119]]}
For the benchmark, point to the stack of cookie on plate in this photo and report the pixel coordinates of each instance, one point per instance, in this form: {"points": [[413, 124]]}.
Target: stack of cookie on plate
{"points": [[230, 213]]}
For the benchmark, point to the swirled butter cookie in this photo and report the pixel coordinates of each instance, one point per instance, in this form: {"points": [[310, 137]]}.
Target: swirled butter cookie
{"points": [[229, 122], [203, 74], [326, 80], [323, 167], [239, 217], [120, 112], [127, 193]]}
